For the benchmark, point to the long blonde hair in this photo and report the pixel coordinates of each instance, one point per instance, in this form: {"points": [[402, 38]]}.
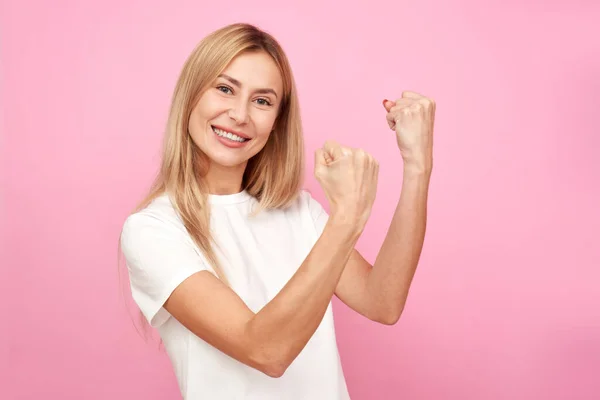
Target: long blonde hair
{"points": [[273, 176]]}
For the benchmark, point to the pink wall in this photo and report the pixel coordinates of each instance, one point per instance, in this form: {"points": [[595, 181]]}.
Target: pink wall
{"points": [[506, 302]]}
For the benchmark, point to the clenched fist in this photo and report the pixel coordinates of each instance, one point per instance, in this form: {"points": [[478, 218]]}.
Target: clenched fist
{"points": [[349, 179], [412, 117]]}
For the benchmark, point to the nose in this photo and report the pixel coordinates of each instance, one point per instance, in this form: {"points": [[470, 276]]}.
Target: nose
{"points": [[239, 112]]}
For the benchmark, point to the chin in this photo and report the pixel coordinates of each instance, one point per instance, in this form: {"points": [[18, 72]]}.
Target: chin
{"points": [[228, 161], [229, 158]]}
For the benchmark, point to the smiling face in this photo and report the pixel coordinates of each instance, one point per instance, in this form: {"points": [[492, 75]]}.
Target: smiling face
{"points": [[234, 117]]}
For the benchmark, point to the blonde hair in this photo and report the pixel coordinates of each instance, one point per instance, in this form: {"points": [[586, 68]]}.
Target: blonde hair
{"points": [[273, 176]]}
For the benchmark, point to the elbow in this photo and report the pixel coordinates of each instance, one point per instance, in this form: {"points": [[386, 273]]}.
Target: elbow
{"points": [[271, 363], [274, 369], [389, 320], [390, 317], [270, 356]]}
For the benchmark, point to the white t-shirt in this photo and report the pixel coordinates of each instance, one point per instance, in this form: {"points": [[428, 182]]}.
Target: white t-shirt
{"points": [[259, 255]]}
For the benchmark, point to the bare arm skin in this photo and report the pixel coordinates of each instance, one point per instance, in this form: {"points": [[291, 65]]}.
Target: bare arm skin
{"points": [[379, 291], [272, 338]]}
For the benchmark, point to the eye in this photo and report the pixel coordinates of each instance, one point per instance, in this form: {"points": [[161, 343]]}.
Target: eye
{"points": [[224, 89], [264, 102]]}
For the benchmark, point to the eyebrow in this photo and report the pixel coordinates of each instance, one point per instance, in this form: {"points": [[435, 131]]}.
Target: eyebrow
{"points": [[239, 84]]}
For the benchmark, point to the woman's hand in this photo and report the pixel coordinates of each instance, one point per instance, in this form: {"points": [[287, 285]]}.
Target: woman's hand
{"points": [[412, 117], [349, 179]]}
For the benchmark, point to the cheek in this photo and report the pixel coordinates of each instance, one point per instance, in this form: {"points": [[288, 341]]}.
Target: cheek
{"points": [[195, 127], [206, 109], [264, 124]]}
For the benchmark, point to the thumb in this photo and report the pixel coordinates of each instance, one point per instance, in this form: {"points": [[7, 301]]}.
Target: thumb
{"points": [[388, 104]]}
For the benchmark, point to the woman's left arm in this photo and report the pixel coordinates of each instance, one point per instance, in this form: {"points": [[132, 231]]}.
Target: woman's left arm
{"points": [[379, 291]]}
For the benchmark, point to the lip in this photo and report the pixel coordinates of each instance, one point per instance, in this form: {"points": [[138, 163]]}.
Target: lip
{"points": [[232, 144], [240, 134]]}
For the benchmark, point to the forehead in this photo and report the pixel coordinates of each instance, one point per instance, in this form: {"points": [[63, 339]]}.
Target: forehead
{"points": [[255, 70]]}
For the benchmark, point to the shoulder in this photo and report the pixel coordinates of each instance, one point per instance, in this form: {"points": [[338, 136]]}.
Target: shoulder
{"points": [[159, 254], [157, 222], [160, 213]]}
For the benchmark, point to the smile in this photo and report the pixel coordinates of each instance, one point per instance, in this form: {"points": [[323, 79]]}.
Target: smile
{"points": [[228, 135]]}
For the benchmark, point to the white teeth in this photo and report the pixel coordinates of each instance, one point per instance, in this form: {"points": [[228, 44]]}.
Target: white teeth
{"points": [[228, 135]]}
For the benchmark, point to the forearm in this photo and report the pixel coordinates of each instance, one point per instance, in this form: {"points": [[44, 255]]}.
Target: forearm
{"points": [[394, 268], [285, 324]]}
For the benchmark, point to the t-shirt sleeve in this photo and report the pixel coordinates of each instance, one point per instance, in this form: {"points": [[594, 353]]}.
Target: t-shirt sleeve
{"points": [[159, 257], [317, 213]]}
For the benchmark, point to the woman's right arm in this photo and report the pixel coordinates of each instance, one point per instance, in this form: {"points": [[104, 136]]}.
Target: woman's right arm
{"points": [[272, 338]]}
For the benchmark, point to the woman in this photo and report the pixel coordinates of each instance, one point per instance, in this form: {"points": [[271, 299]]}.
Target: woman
{"points": [[232, 262]]}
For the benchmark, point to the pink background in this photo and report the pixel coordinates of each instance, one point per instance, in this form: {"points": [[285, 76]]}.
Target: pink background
{"points": [[506, 301]]}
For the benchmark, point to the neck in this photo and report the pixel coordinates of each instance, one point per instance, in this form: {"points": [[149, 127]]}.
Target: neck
{"points": [[225, 180]]}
